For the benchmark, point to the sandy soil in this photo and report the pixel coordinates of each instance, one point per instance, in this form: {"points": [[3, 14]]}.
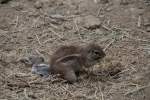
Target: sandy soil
{"points": [[39, 27]]}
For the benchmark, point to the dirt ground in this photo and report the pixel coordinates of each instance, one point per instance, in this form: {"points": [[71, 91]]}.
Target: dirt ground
{"points": [[121, 27]]}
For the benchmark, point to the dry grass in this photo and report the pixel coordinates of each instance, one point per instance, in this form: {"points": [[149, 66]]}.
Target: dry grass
{"points": [[27, 30]]}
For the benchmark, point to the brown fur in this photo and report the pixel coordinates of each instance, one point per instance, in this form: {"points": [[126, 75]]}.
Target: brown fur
{"points": [[69, 60]]}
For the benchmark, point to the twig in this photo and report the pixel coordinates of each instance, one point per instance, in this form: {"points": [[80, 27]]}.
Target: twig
{"points": [[77, 28], [68, 91], [25, 94], [58, 16], [120, 72], [21, 74], [137, 89], [107, 28], [39, 53], [44, 35], [102, 95], [47, 40], [139, 21], [38, 39], [108, 45], [96, 91], [17, 21], [133, 68], [54, 26], [130, 37], [55, 33], [99, 10], [74, 16]]}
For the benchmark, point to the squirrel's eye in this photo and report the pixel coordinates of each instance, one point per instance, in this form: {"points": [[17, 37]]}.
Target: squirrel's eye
{"points": [[95, 52]]}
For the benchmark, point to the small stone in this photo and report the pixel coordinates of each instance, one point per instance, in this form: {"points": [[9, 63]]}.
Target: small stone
{"points": [[11, 57], [38, 4], [148, 29], [104, 1], [29, 37], [124, 2], [146, 19], [146, 22], [110, 8], [147, 2], [91, 22], [4, 1]]}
